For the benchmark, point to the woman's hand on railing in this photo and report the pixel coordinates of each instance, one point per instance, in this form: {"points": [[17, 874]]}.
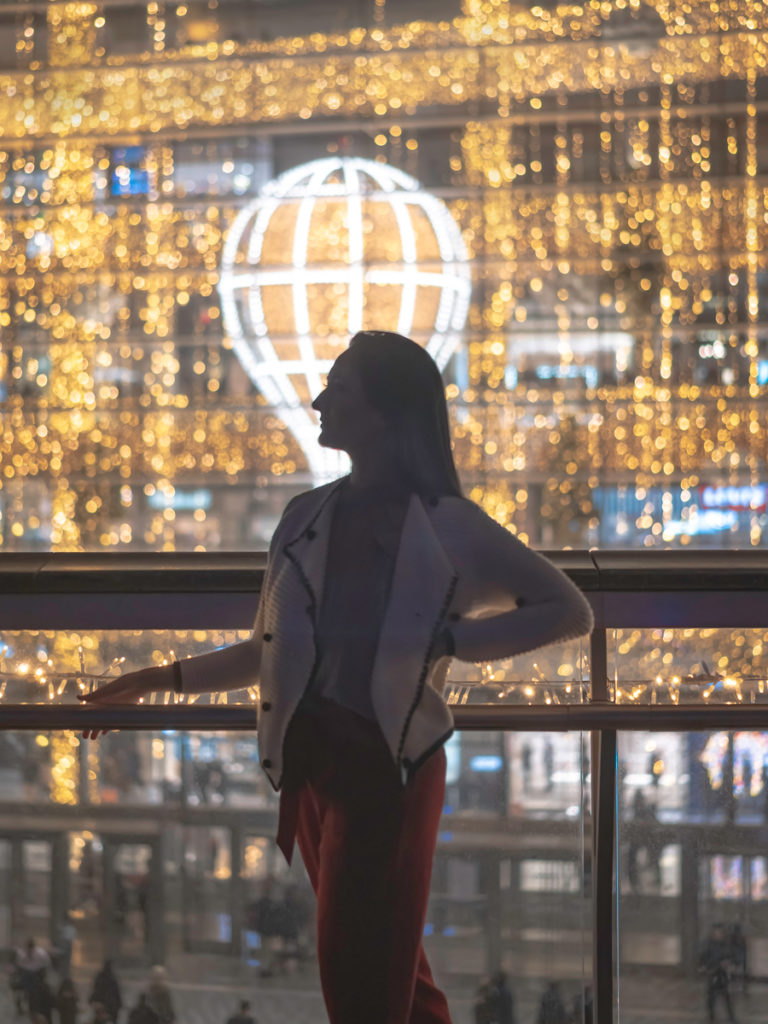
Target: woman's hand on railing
{"points": [[129, 688]]}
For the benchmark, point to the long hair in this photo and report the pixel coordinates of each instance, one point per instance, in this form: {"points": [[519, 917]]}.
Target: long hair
{"points": [[402, 382]]}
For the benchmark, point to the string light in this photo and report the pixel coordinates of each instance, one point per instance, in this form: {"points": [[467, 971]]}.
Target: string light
{"points": [[48, 666]]}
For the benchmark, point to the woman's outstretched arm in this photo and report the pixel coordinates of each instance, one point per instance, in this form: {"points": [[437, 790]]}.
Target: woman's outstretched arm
{"points": [[230, 668]]}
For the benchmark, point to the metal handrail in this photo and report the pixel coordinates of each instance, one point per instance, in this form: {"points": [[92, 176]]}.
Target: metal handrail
{"points": [[634, 588], [477, 718]]}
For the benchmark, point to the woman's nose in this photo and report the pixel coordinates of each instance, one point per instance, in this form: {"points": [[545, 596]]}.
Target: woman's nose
{"points": [[316, 403]]}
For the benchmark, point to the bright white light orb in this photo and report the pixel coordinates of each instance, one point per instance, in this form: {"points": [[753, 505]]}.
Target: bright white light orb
{"points": [[329, 248]]}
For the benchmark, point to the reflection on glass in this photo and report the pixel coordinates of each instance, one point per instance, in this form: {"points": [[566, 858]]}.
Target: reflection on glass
{"points": [[509, 884], [6, 888], [558, 674], [691, 872], [128, 767], [128, 899], [725, 877], [222, 769], [135, 768], [759, 879], [207, 873], [673, 666]]}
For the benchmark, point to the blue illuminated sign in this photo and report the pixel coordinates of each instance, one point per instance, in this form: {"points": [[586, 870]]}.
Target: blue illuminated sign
{"points": [[128, 176], [181, 501], [486, 763]]}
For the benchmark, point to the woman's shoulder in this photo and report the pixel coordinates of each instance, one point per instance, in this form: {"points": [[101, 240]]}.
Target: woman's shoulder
{"points": [[456, 507], [469, 525], [456, 519]]}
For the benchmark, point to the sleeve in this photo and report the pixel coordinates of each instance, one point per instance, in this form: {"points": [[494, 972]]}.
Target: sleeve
{"points": [[235, 667], [548, 606], [230, 668]]}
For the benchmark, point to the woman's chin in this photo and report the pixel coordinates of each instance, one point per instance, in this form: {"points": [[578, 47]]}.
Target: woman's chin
{"points": [[326, 442], [333, 444]]}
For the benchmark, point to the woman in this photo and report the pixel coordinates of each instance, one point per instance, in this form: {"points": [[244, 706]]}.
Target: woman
{"points": [[373, 583]]}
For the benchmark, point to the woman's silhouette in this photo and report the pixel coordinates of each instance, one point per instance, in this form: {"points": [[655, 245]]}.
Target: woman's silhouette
{"points": [[373, 582]]}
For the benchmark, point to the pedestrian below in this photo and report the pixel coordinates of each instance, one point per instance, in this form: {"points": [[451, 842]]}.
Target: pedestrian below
{"points": [[41, 999], [269, 920], [655, 767], [633, 871], [715, 962], [654, 847], [31, 963], [738, 943], [552, 1007], [501, 1001], [159, 996], [65, 940], [481, 1006], [549, 765], [243, 1015], [67, 1002], [582, 1012], [525, 765], [101, 1015], [589, 1011], [298, 916], [373, 583], [747, 771], [16, 984], [142, 1013], [106, 990]]}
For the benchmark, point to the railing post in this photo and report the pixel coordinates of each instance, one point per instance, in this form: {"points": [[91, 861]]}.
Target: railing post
{"points": [[603, 830]]}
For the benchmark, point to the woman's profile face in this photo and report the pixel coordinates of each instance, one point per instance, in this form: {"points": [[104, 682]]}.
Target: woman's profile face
{"points": [[348, 422]]}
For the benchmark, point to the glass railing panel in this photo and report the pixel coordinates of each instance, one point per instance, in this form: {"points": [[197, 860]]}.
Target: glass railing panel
{"points": [[691, 868], [684, 666], [180, 879], [49, 666], [125, 769], [656, 767], [558, 674], [222, 770]]}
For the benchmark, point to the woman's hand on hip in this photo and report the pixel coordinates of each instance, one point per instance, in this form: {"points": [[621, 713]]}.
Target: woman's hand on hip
{"points": [[129, 688]]}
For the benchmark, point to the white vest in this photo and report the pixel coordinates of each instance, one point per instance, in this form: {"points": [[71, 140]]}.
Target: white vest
{"points": [[455, 567]]}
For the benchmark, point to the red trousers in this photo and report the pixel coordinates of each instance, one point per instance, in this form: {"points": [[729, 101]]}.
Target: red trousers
{"points": [[367, 843]]}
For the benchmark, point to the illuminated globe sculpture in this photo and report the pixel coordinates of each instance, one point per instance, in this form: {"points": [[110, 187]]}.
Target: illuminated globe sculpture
{"points": [[329, 248]]}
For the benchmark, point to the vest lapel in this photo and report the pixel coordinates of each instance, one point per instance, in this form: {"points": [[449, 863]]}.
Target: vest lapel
{"points": [[422, 586], [308, 551]]}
